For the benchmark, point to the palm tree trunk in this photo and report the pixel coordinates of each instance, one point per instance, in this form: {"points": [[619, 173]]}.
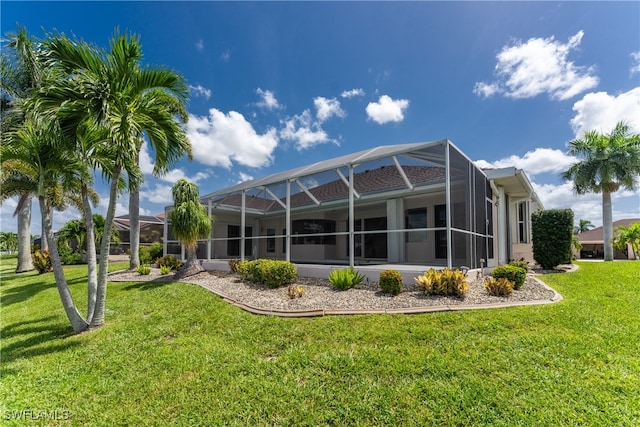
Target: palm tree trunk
{"points": [[607, 225], [44, 243], [101, 291], [24, 236], [192, 265], [134, 229], [77, 322], [92, 270]]}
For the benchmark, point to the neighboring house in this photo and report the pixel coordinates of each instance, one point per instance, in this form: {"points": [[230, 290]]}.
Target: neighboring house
{"points": [[423, 204], [151, 231], [592, 242]]}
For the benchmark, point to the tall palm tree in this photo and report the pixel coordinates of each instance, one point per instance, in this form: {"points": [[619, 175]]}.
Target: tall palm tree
{"points": [[111, 90], [628, 236], [583, 226], [21, 73], [609, 162], [190, 222], [37, 151]]}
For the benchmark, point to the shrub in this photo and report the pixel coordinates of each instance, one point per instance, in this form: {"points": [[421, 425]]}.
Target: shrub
{"points": [[144, 255], [515, 274], [42, 261], [446, 282], [391, 281], [520, 263], [233, 265], [144, 270], [295, 291], [156, 250], [169, 261], [552, 237], [501, 287], [271, 273], [165, 269], [67, 255], [346, 278]]}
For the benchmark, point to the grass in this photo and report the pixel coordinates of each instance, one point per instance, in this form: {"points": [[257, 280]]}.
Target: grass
{"points": [[173, 353]]}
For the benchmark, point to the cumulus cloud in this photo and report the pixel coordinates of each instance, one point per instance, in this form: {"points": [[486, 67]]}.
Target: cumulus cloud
{"points": [[538, 66], [304, 131], [387, 109], [351, 93], [200, 91], [327, 108], [540, 160], [243, 177], [268, 101], [601, 111], [220, 139], [159, 193], [635, 68]]}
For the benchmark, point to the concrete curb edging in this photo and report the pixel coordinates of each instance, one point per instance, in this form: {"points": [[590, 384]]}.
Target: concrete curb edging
{"points": [[320, 312]]}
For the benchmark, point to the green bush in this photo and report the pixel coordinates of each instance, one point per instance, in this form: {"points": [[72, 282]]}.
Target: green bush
{"points": [[156, 250], [271, 273], [501, 287], [42, 261], [446, 283], [552, 237], [520, 263], [391, 281], [67, 255], [169, 261], [144, 255], [344, 279], [165, 269], [144, 270], [515, 274], [233, 265]]}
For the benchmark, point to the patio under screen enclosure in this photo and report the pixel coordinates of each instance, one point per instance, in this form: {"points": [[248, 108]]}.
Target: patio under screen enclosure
{"points": [[418, 204]]}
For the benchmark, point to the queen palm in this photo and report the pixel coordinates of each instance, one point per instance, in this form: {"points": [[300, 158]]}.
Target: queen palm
{"points": [[583, 226], [111, 90], [609, 162], [21, 71]]}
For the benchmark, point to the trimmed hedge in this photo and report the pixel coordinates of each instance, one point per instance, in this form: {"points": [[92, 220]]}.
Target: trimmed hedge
{"points": [[391, 282], [513, 273], [552, 237], [269, 272]]}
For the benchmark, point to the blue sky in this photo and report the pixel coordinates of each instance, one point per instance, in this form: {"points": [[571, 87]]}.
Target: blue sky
{"points": [[279, 85]]}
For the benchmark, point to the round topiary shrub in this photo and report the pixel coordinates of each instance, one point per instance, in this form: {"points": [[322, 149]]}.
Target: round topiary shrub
{"points": [[391, 281], [515, 274]]}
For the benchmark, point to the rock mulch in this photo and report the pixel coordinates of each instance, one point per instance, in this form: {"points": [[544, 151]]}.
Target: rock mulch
{"points": [[321, 298]]}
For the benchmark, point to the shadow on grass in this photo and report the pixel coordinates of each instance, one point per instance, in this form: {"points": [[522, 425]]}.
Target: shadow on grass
{"points": [[148, 285], [17, 294], [41, 336]]}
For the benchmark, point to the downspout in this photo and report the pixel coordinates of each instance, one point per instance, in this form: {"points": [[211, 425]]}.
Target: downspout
{"points": [[502, 223]]}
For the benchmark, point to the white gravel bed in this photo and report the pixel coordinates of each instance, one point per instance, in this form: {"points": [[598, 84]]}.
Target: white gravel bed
{"points": [[319, 294]]}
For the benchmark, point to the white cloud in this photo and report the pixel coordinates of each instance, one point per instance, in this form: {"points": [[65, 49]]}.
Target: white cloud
{"points": [[538, 66], [269, 100], [304, 131], [199, 45], [159, 193], [601, 111], [220, 139], [387, 109], [635, 68], [540, 160], [243, 177], [200, 91], [326, 108], [351, 93], [146, 165], [225, 56]]}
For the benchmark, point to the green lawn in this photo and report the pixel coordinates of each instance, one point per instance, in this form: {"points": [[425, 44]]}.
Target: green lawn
{"points": [[174, 353]]}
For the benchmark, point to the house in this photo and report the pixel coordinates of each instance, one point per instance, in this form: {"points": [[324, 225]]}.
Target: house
{"points": [[592, 242], [151, 231], [421, 204]]}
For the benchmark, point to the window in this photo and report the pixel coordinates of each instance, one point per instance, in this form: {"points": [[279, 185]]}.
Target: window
{"points": [[440, 235], [233, 244], [307, 228], [271, 241], [416, 218], [523, 229]]}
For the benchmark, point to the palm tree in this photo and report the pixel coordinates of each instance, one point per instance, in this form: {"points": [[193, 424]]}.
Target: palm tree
{"points": [[21, 71], [37, 150], [628, 236], [609, 162], [190, 222], [111, 90], [583, 226]]}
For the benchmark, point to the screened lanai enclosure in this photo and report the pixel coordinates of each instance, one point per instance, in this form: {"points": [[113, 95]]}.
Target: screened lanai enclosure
{"points": [[417, 204]]}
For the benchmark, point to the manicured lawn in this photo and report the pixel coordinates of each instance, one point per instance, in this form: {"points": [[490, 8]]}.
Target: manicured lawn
{"points": [[174, 353]]}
